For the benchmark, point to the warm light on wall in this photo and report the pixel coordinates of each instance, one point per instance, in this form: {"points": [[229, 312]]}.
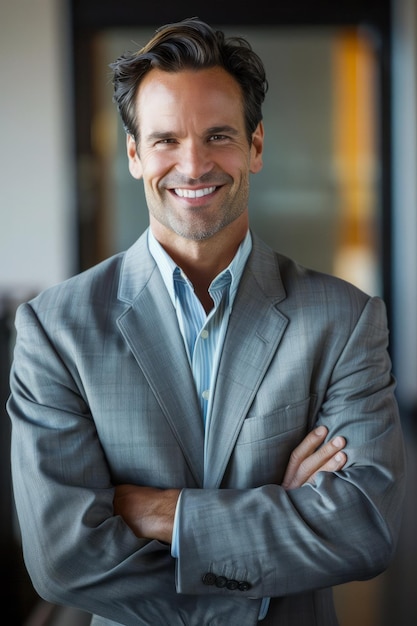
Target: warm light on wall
{"points": [[354, 131]]}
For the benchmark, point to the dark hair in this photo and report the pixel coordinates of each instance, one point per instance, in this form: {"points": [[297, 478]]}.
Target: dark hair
{"points": [[190, 44]]}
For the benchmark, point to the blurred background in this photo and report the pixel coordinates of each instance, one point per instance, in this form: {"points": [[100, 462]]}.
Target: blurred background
{"points": [[338, 191]]}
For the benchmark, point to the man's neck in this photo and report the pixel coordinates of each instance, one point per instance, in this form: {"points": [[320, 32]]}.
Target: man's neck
{"points": [[202, 261]]}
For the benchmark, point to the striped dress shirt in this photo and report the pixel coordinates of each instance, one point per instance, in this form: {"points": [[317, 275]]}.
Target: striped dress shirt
{"points": [[203, 333]]}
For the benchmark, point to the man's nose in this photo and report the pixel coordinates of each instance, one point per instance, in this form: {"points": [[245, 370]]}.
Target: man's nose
{"points": [[194, 159]]}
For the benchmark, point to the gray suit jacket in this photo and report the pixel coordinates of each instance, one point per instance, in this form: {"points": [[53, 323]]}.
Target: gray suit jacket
{"points": [[102, 394]]}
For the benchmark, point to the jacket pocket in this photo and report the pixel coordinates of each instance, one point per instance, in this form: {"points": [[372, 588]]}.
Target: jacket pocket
{"points": [[265, 443]]}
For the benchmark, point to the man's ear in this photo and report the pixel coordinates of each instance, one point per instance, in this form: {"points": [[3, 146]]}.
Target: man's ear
{"points": [[256, 149], [135, 166]]}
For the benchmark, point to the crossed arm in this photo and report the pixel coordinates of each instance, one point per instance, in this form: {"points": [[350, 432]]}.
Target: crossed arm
{"points": [[149, 511]]}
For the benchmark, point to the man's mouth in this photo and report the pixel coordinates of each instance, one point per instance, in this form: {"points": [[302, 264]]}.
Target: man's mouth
{"points": [[194, 193]]}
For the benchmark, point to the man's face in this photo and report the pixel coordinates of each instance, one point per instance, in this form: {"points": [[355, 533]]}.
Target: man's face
{"points": [[193, 152]]}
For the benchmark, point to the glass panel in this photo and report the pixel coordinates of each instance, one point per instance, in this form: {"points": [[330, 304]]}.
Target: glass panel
{"points": [[317, 197]]}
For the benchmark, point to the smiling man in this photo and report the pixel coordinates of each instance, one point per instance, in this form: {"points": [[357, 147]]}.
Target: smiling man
{"points": [[205, 433], [195, 158]]}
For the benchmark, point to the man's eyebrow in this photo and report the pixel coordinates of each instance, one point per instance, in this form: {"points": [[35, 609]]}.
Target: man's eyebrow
{"points": [[213, 130], [222, 130], [158, 135]]}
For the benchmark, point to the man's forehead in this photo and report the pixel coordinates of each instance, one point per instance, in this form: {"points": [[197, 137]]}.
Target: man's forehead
{"points": [[214, 80], [210, 99]]}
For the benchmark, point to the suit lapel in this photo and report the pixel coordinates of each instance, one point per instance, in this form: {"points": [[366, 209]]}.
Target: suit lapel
{"points": [[255, 330], [161, 355]]}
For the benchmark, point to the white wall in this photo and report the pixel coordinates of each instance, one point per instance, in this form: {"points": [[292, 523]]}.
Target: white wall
{"points": [[36, 184]]}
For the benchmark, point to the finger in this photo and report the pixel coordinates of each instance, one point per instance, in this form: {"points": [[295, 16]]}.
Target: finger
{"points": [[335, 464], [323, 454], [310, 443], [304, 468], [306, 448]]}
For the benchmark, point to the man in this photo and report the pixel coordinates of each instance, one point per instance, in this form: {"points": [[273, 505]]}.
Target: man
{"points": [[169, 405]]}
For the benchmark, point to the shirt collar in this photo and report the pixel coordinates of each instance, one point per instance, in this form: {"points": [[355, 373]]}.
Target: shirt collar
{"points": [[168, 267]]}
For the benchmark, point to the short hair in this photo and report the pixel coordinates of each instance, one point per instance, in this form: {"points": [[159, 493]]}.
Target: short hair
{"points": [[190, 44]]}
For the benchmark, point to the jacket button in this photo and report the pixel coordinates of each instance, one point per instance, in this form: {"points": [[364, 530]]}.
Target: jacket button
{"points": [[209, 578], [243, 586], [221, 581], [232, 585]]}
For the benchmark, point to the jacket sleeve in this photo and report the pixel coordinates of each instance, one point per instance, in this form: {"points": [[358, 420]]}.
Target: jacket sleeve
{"points": [[76, 551], [342, 528]]}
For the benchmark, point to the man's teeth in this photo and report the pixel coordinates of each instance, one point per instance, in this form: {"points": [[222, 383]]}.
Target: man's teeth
{"points": [[194, 193]]}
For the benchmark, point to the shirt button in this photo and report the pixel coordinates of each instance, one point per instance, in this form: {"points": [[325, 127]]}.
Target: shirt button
{"points": [[206, 394], [204, 334]]}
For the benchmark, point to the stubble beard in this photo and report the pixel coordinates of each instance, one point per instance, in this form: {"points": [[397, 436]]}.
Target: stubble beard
{"points": [[199, 228]]}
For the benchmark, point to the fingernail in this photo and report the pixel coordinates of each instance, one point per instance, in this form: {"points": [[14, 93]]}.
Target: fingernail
{"points": [[337, 442], [338, 457], [320, 431]]}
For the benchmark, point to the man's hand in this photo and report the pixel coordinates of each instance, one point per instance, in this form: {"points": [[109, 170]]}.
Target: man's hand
{"points": [[311, 457], [148, 511]]}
